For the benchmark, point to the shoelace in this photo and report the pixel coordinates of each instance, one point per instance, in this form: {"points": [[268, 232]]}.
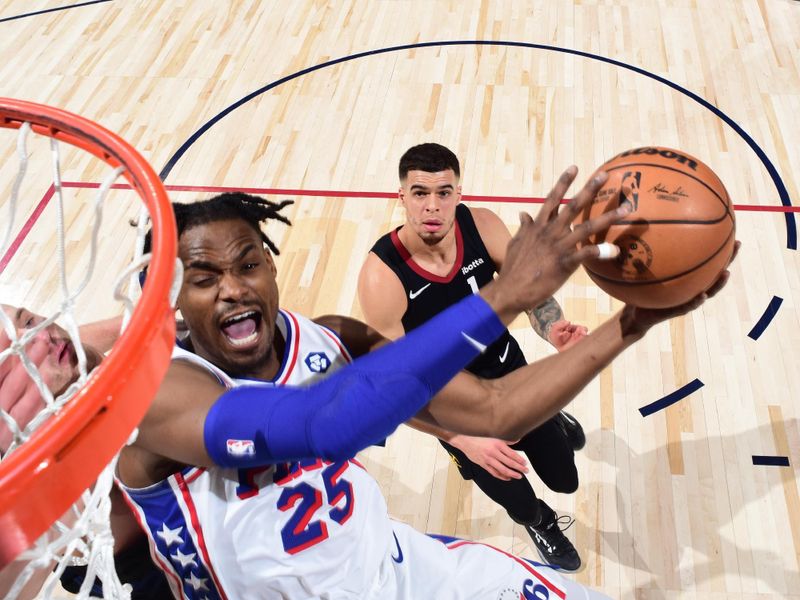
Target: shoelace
{"points": [[558, 522], [569, 520]]}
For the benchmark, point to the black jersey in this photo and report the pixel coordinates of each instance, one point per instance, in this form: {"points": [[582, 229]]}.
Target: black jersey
{"points": [[429, 294]]}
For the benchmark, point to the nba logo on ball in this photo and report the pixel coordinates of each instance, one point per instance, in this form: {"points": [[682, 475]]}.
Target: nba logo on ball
{"points": [[677, 240], [317, 362]]}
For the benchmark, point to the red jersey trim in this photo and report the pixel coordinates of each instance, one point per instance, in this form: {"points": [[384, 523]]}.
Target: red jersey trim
{"points": [[337, 340], [406, 256], [528, 567], [195, 521], [192, 474], [162, 562], [295, 328]]}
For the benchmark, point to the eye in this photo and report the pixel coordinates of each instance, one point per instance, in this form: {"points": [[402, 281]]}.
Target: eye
{"points": [[27, 319], [202, 281], [250, 266]]}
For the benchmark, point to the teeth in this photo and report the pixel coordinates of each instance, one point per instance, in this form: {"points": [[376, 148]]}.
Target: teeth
{"points": [[249, 314], [243, 341]]}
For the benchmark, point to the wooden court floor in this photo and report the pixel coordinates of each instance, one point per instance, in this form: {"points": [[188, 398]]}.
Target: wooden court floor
{"points": [[316, 101]]}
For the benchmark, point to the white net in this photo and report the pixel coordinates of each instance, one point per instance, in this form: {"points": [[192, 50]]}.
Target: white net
{"points": [[82, 536]]}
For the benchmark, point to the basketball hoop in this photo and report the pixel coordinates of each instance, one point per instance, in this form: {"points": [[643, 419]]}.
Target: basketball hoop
{"points": [[47, 473]]}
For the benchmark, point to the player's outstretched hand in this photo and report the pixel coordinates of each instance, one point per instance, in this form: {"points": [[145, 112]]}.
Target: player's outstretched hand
{"points": [[19, 396], [545, 251], [637, 320]]}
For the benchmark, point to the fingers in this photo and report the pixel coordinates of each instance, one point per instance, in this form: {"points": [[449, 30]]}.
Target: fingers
{"points": [[511, 459], [606, 250], [722, 280], [22, 413], [5, 437], [14, 380], [27, 407], [5, 342], [19, 396], [736, 245], [583, 231], [718, 284], [496, 457], [549, 210], [498, 471], [589, 252], [573, 337], [583, 198], [502, 471]]}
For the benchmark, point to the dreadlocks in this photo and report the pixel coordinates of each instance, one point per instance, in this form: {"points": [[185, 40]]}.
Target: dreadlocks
{"points": [[231, 205]]}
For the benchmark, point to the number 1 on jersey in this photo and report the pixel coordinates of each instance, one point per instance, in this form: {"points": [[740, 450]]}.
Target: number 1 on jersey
{"points": [[473, 284]]}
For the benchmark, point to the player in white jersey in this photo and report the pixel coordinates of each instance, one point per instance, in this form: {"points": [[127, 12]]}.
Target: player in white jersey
{"points": [[308, 515], [197, 426]]}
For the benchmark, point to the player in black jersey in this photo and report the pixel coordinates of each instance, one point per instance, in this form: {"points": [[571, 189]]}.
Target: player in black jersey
{"points": [[444, 252]]}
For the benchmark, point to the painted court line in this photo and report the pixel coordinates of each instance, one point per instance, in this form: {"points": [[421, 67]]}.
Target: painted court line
{"points": [[672, 398], [49, 10], [766, 318], [771, 461], [757, 330], [23, 233], [388, 195]]}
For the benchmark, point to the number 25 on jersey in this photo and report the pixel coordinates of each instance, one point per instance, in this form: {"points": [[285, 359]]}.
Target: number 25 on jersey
{"points": [[304, 500]]}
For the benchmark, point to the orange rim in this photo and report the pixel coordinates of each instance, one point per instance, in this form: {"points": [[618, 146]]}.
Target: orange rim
{"points": [[47, 474]]}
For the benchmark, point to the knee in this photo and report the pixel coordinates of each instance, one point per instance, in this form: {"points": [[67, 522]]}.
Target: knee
{"points": [[565, 483]]}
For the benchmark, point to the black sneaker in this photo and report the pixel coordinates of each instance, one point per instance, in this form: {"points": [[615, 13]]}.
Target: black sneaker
{"points": [[553, 546], [572, 430]]}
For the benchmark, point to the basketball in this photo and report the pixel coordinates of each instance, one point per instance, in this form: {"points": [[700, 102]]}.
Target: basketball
{"points": [[677, 240]]}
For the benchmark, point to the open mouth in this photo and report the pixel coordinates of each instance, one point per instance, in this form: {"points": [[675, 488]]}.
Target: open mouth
{"points": [[242, 329], [432, 225], [65, 353]]}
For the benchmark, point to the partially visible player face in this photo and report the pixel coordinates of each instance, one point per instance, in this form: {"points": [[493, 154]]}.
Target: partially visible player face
{"points": [[60, 366], [51, 351], [430, 200], [229, 297]]}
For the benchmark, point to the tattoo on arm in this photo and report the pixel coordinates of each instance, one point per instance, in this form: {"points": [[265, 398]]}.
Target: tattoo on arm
{"points": [[543, 316]]}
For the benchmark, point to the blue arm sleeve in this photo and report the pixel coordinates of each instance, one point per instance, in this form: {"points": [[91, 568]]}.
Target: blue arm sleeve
{"points": [[355, 407]]}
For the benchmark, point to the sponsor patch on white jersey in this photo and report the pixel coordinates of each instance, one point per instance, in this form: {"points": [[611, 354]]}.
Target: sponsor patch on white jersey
{"points": [[318, 362]]}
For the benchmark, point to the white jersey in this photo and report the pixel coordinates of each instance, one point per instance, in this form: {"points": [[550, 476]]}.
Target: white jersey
{"points": [[312, 529]]}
